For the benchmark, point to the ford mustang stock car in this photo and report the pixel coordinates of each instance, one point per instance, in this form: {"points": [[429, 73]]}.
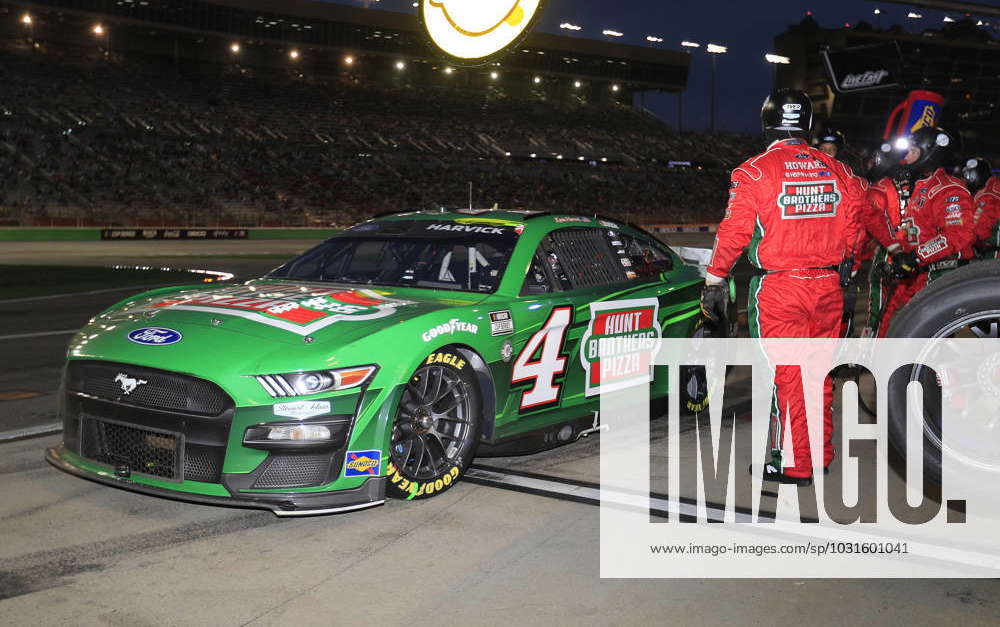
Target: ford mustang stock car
{"points": [[379, 362]]}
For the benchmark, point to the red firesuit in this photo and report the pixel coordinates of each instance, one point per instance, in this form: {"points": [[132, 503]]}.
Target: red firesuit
{"points": [[987, 218], [936, 224], [798, 210], [881, 218]]}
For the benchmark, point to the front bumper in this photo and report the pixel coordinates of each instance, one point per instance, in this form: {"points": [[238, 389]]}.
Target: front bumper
{"points": [[369, 494], [181, 437]]}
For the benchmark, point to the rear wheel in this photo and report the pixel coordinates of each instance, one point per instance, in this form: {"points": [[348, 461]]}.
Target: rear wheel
{"points": [[436, 429]]}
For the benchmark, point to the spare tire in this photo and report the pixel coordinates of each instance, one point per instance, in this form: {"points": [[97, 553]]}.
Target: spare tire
{"points": [[968, 298]]}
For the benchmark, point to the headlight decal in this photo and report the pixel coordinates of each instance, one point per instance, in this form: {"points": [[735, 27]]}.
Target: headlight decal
{"points": [[315, 382]]}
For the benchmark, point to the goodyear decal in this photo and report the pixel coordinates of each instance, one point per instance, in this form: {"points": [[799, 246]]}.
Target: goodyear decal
{"points": [[363, 464], [451, 327], [818, 199], [620, 343], [286, 307]]}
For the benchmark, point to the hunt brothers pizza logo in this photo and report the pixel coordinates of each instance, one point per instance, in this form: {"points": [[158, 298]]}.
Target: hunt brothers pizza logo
{"points": [[287, 307], [818, 199], [620, 344]]}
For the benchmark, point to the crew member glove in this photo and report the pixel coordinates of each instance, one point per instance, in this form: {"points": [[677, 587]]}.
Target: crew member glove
{"points": [[714, 299], [904, 264]]}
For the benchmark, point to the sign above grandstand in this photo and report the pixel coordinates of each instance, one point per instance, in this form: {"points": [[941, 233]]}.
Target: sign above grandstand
{"points": [[473, 32], [864, 68]]}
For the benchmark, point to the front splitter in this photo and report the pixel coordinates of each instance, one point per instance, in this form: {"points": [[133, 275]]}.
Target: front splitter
{"points": [[369, 494]]}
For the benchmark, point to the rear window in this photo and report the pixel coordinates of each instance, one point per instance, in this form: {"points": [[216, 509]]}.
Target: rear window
{"points": [[583, 258]]}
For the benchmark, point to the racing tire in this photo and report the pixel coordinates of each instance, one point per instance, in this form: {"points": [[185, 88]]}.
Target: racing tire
{"points": [[946, 304], [436, 428]]}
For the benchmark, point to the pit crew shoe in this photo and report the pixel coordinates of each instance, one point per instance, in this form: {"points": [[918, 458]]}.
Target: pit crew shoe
{"points": [[774, 475]]}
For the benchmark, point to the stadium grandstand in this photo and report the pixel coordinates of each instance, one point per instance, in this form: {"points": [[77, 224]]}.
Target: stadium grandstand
{"points": [[177, 112], [960, 61]]}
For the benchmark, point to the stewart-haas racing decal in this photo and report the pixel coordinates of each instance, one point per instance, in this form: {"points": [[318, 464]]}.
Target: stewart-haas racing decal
{"points": [[294, 308], [813, 199], [619, 346]]}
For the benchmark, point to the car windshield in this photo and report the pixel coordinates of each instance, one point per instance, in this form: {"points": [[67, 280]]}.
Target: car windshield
{"points": [[467, 257]]}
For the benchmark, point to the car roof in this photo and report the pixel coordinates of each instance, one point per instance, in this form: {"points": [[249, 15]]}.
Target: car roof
{"points": [[534, 218]]}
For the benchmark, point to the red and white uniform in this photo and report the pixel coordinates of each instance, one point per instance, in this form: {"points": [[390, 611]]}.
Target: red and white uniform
{"points": [[936, 224], [789, 235], [883, 209], [798, 212], [987, 216]]}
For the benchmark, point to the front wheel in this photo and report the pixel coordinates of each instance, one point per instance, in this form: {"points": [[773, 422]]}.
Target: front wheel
{"points": [[436, 429]]}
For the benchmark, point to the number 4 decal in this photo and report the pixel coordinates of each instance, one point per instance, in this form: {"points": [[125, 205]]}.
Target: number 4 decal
{"points": [[550, 364]]}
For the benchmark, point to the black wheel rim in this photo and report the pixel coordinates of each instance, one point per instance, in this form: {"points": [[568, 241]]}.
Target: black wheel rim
{"points": [[433, 427], [977, 397]]}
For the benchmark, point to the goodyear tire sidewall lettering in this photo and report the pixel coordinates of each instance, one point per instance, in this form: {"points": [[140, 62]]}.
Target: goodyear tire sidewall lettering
{"points": [[415, 489]]}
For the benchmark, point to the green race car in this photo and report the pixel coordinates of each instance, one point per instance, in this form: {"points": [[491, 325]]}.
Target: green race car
{"points": [[378, 363]]}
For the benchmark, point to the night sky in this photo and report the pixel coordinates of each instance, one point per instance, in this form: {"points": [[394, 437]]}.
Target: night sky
{"points": [[747, 28]]}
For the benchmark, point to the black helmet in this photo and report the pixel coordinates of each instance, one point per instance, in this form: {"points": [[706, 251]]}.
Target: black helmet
{"points": [[831, 136], [935, 145], [976, 171], [886, 158], [786, 113]]}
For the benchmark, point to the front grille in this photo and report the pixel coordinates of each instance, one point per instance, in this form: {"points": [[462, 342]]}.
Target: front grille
{"points": [[147, 387], [145, 451], [294, 471], [203, 463]]}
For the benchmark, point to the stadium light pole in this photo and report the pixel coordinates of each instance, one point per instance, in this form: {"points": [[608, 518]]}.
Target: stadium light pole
{"points": [[680, 94], [29, 23], [715, 50], [100, 31], [775, 60]]}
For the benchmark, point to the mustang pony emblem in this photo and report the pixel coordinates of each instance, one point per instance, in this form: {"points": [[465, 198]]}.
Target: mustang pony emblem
{"points": [[128, 383]]}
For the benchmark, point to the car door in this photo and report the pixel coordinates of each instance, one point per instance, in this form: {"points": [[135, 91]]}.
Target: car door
{"points": [[572, 269]]}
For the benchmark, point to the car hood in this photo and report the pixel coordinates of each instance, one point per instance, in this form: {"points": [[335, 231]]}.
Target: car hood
{"points": [[289, 312]]}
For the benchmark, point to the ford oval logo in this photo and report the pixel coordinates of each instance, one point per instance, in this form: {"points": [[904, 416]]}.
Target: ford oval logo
{"points": [[155, 336]]}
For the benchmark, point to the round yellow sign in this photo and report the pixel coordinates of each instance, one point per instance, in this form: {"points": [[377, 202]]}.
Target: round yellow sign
{"points": [[474, 30]]}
